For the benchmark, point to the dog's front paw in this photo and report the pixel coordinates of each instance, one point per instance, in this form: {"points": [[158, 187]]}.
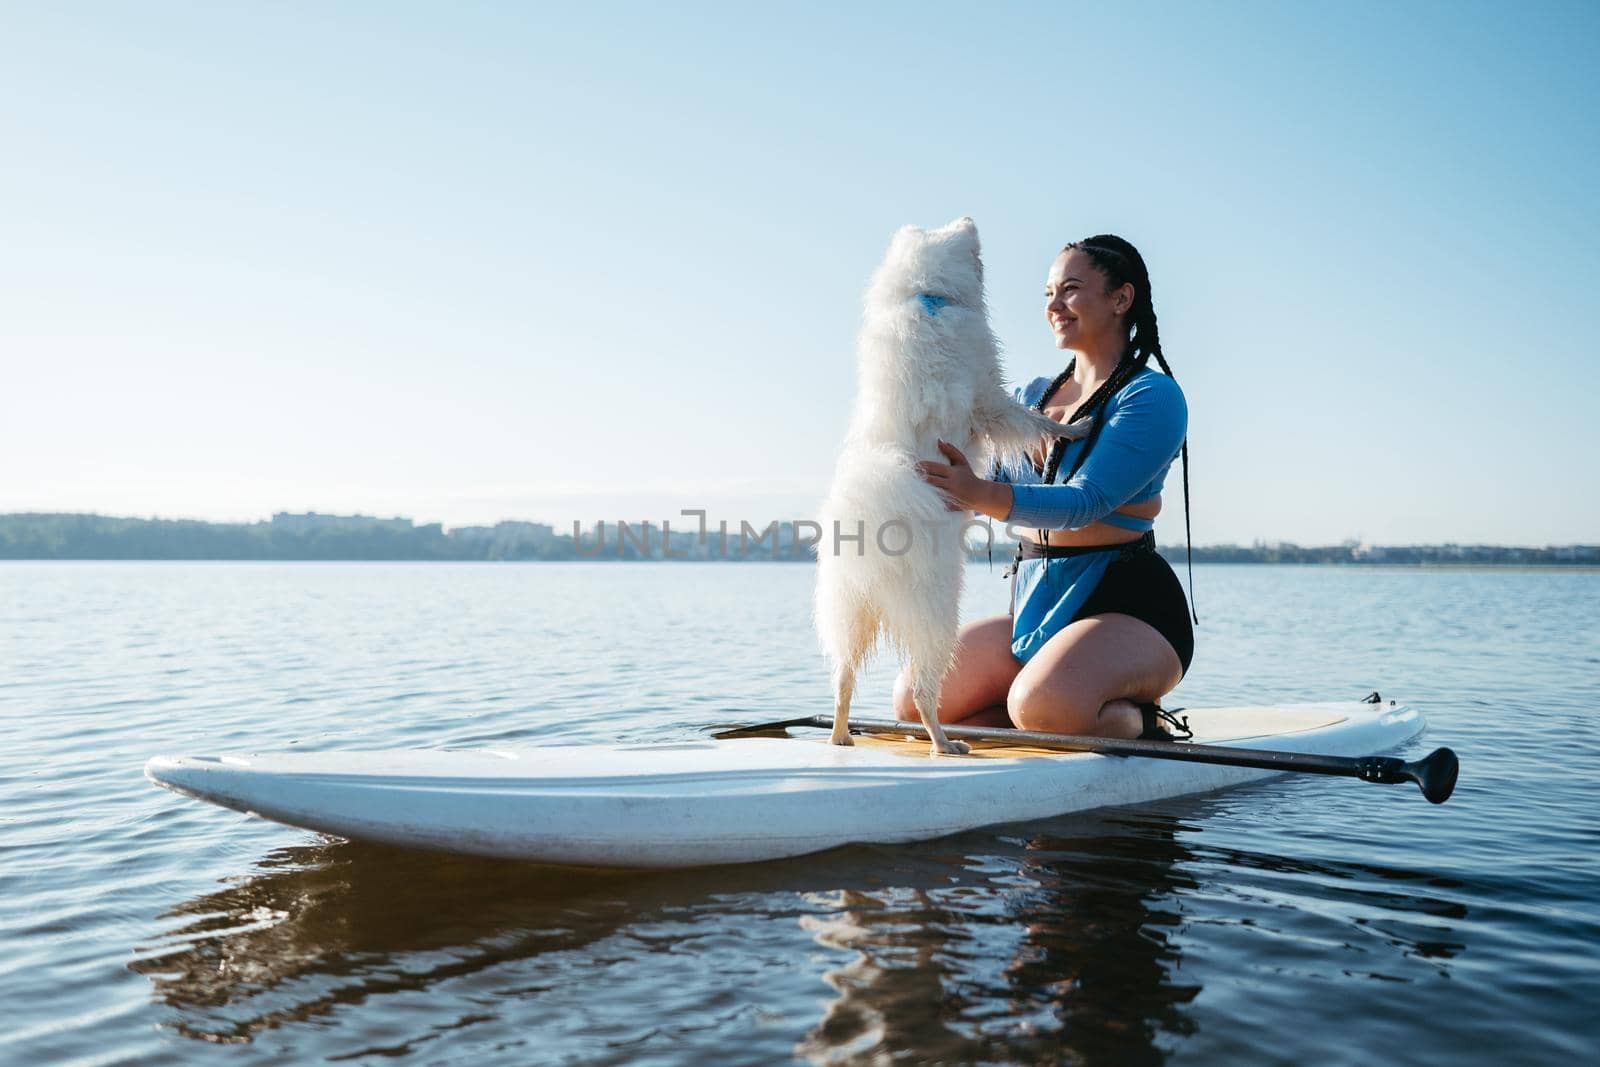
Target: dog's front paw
{"points": [[842, 739], [1069, 430], [948, 747]]}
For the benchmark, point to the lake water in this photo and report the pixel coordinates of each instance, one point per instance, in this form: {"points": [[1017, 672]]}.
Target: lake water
{"points": [[1297, 920]]}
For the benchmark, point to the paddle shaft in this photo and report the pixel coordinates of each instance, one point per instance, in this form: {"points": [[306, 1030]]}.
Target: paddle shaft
{"points": [[1435, 774]]}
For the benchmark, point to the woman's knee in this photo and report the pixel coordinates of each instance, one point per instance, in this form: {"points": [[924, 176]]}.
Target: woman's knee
{"points": [[979, 674], [1052, 708], [905, 708]]}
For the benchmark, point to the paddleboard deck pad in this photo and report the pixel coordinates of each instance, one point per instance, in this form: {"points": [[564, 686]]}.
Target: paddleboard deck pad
{"points": [[696, 803]]}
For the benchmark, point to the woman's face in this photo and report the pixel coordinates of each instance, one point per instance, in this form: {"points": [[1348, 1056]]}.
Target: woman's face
{"points": [[1083, 315]]}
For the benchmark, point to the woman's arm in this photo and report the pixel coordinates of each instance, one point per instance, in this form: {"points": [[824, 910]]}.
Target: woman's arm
{"points": [[1139, 440]]}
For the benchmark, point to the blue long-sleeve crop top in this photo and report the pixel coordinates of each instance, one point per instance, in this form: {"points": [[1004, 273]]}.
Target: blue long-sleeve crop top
{"points": [[1145, 425]]}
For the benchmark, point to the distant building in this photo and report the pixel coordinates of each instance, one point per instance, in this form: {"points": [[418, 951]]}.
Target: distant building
{"points": [[312, 520], [506, 540]]}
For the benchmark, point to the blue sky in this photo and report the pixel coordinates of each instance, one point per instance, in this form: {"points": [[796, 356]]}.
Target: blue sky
{"points": [[467, 262]]}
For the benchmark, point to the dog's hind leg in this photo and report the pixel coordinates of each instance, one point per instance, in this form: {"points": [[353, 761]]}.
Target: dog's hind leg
{"points": [[844, 686], [924, 624], [925, 684], [858, 629]]}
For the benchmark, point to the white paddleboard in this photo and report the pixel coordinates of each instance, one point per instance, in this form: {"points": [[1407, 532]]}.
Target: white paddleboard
{"points": [[695, 803]]}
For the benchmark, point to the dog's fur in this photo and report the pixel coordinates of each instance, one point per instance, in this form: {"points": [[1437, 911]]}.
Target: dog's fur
{"points": [[929, 369]]}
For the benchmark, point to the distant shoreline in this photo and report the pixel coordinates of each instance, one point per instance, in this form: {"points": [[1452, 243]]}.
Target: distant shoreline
{"points": [[312, 537]]}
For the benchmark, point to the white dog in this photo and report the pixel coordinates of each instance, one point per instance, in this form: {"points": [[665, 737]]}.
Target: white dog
{"points": [[892, 554]]}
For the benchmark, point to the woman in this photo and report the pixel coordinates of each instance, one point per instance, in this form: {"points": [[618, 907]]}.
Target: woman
{"points": [[1099, 629]]}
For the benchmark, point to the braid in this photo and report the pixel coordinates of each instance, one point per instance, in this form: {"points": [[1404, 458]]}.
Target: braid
{"points": [[1122, 264], [1096, 406], [1056, 383], [1053, 462]]}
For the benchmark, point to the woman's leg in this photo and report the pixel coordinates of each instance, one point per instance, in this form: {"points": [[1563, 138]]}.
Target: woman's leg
{"points": [[1086, 678], [974, 689]]}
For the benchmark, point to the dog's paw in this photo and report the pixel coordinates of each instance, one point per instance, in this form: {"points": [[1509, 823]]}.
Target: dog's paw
{"points": [[844, 740], [948, 747], [1069, 430]]}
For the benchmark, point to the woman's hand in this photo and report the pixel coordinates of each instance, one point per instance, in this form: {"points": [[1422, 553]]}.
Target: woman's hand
{"points": [[963, 490]]}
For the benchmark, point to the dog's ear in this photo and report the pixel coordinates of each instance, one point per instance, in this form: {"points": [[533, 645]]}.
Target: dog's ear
{"points": [[965, 234], [907, 236], [964, 230], [906, 246]]}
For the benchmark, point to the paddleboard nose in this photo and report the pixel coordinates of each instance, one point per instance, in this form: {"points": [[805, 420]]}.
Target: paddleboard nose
{"points": [[182, 774]]}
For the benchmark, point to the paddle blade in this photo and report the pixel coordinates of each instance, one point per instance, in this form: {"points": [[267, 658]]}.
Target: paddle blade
{"points": [[1436, 773]]}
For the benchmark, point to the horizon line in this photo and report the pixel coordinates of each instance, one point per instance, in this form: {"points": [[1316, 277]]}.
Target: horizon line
{"points": [[557, 531]]}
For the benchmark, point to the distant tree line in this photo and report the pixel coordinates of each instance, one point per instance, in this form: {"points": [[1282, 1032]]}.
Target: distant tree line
{"points": [[313, 536], [1394, 555], [67, 536]]}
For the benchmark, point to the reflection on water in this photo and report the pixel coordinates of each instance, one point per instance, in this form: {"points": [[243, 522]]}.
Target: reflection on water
{"points": [[1070, 961], [340, 922], [1062, 945]]}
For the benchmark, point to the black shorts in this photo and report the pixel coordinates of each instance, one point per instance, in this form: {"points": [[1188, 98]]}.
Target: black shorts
{"points": [[1142, 584]]}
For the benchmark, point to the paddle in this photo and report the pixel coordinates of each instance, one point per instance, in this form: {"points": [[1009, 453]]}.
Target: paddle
{"points": [[1435, 773]]}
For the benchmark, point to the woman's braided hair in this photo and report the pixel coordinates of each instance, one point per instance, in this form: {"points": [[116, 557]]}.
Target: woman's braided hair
{"points": [[1122, 264]]}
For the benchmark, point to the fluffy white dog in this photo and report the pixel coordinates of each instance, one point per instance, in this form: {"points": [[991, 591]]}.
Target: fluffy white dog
{"points": [[892, 554]]}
